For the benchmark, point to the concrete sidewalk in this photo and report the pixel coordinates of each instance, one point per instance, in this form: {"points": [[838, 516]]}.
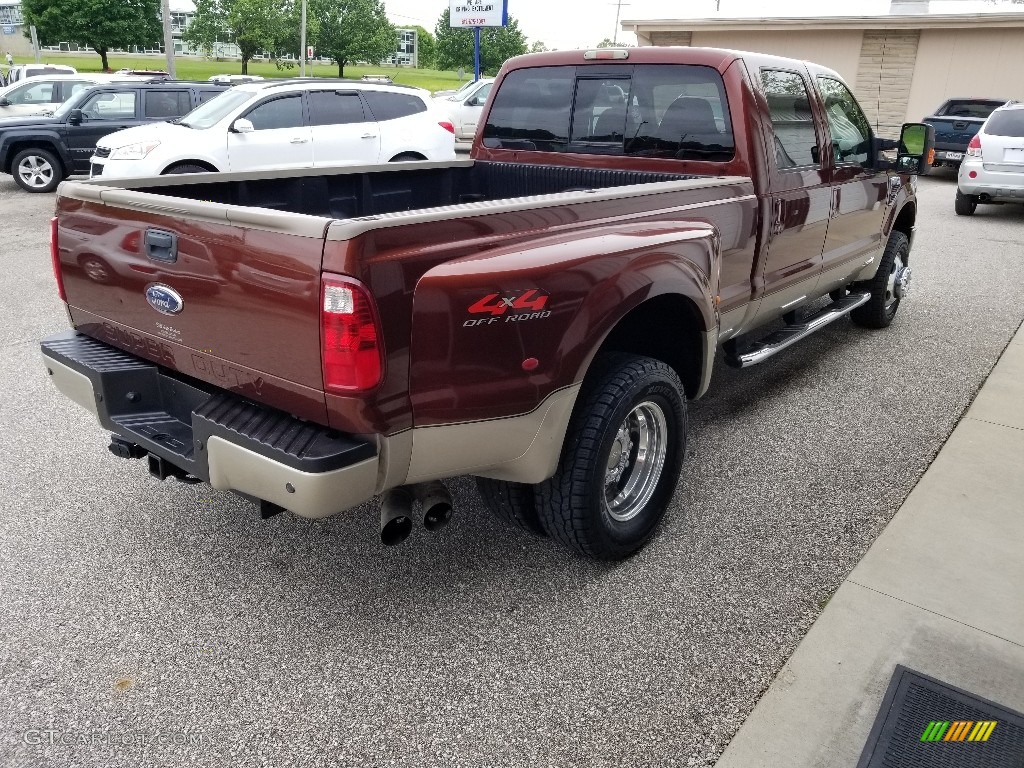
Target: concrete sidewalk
{"points": [[941, 591]]}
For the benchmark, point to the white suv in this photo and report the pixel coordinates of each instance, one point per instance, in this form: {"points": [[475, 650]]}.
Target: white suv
{"points": [[284, 124], [993, 168]]}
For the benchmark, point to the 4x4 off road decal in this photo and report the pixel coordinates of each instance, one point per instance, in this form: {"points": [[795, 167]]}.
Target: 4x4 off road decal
{"points": [[509, 307]]}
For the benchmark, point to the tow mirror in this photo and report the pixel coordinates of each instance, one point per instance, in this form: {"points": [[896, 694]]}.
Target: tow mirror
{"points": [[241, 125], [75, 117], [917, 148]]}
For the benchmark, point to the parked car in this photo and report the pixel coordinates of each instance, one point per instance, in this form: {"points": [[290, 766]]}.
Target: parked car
{"points": [[25, 71], [285, 124], [464, 108], [149, 73], [234, 79], [993, 170], [453, 91], [44, 93], [40, 151], [537, 316], [955, 123]]}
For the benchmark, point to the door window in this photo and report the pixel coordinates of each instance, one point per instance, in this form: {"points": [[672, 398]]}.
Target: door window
{"points": [[335, 108], [118, 105], [850, 129], [36, 93], [164, 104], [390, 106], [796, 143], [285, 112]]}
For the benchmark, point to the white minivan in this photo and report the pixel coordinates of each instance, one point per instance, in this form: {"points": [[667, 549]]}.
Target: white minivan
{"points": [[284, 124]]}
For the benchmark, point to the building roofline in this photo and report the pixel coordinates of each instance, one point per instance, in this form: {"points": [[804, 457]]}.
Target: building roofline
{"points": [[796, 23]]}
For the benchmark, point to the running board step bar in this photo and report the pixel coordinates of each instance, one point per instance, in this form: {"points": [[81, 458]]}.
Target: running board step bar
{"points": [[785, 337]]}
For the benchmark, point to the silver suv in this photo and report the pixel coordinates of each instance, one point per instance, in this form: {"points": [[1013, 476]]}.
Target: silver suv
{"points": [[993, 169]]}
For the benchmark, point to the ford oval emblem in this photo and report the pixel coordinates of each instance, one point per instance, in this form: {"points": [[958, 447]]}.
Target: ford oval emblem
{"points": [[164, 299]]}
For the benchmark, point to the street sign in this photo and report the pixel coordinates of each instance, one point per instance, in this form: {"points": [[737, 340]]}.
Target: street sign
{"points": [[479, 13], [309, 52], [8, 29]]}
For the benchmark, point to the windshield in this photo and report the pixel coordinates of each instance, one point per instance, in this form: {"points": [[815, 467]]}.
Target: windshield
{"points": [[213, 111], [73, 103]]}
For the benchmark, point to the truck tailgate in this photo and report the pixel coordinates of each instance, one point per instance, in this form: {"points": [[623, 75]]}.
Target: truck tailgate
{"points": [[229, 297]]}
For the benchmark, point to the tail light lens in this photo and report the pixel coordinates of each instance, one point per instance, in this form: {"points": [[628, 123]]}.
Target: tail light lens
{"points": [[448, 126], [351, 346], [974, 147], [55, 260], [131, 241]]}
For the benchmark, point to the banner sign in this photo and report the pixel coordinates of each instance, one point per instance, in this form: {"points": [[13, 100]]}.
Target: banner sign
{"points": [[479, 13]]}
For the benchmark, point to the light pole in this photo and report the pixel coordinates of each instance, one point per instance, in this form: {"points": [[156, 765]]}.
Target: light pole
{"points": [[302, 45], [618, 9], [165, 8]]}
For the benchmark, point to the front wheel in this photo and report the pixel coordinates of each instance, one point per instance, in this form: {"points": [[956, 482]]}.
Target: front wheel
{"points": [[185, 168], [888, 285], [621, 460], [37, 170]]}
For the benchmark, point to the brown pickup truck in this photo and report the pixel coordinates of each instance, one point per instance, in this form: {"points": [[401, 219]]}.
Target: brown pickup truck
{"points": [[536, 315]]}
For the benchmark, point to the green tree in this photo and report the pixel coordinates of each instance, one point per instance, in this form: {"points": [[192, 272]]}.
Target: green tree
{"points": [[538, 47], [607, 43], [99, 24], [497, 45], [255, 26], [352, 30], [427, 48]]}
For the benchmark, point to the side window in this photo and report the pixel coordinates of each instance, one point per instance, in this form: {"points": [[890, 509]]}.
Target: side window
{"points": [[116, 105], [38, 93], [205, 96], [390, 106], [335, 108], [480, 97], [531, 110], [164, 104], [75, 88], [285, 112], [850, 129], [796, 144]]}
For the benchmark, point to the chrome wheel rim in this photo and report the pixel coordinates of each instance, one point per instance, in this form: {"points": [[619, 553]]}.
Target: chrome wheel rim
{"points": [[893, 286], [35, 171], [635, 461], [95, 271]]}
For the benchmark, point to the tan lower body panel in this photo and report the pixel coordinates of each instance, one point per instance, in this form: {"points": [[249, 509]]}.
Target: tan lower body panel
{"points": [[233, 468], [72, 384], [523, 449]]}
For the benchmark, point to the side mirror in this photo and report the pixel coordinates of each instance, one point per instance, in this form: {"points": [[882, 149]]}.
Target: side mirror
{"points": [[917, 148], [241, 125], [4, 103], [75, 117]]}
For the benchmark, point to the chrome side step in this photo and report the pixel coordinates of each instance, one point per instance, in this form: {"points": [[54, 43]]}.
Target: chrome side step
{"points": [[761, 350]]}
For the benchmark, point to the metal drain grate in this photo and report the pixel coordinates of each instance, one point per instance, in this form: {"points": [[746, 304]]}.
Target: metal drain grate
{"points": [[924, 723]]}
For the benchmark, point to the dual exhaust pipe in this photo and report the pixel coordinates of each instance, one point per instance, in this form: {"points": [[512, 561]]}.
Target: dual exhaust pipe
{"points": [[396, 510]]}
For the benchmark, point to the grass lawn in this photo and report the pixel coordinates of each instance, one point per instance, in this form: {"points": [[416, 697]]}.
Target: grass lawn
{"points": [[200, 69]]}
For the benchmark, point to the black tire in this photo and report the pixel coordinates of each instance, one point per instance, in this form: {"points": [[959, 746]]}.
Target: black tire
{"points": [[965, 205], [885, 298], [512, 503], [37, 170], [185, 168], [406, 157], [573, 506]]}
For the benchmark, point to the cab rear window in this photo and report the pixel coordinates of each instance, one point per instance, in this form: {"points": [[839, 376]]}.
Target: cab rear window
{"points": [[663, 110]]}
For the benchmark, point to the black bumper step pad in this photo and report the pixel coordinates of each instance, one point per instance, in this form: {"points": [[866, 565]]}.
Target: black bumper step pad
{"points": [[925, 723], [174, 418]]}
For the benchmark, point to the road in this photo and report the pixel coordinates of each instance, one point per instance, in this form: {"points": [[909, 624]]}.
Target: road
{"points": [[147, 624]]}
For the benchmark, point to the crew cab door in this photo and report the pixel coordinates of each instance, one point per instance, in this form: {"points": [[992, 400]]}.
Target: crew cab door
{"points": [[468, 111], [102, 113], [860, 192], [280, 137], [799, 194], [342, 129]]}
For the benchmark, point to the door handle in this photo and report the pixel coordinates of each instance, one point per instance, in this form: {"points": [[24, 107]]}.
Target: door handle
{"points": [[297, 140], [368, 136]]}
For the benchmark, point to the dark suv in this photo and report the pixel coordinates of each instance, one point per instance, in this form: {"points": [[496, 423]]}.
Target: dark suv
{"points": [[40, 151]]}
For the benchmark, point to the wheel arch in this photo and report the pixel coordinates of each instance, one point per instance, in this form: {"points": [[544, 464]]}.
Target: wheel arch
{"points": [[906, 219], [202, 163], [20, 143]]}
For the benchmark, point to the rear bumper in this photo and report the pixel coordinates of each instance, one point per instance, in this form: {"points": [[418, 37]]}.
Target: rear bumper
{"points": [[189, 429], [997, 185]]}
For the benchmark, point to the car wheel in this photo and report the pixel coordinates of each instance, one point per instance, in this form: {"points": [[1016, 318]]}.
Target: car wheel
{"points": [[888, 286], [621, 459], [185, 168], [96, 269], [965, 205], [37, 170], [406, 157], [512, 503]]}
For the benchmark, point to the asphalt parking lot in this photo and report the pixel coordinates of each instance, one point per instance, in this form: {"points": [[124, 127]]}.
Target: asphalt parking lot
{"points": [[148, 624]]}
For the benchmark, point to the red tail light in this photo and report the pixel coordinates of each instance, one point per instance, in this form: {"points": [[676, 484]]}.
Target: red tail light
{"points": [[55, 260], [974, 147], [450, 127], [351, 346], [131, 241]]}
